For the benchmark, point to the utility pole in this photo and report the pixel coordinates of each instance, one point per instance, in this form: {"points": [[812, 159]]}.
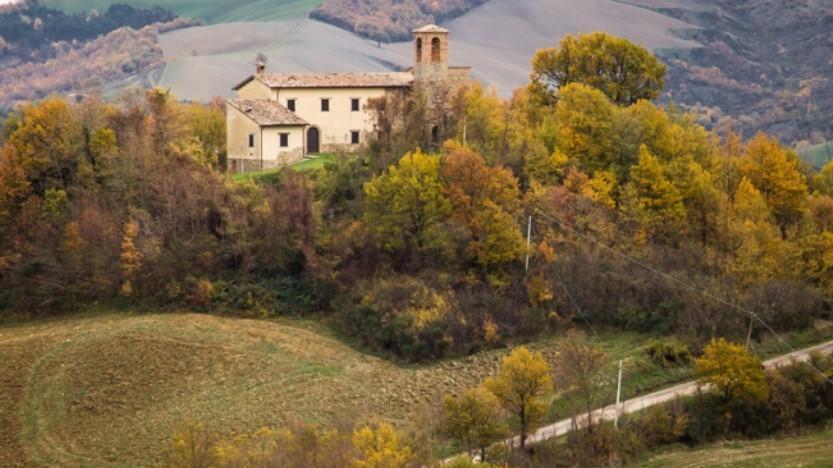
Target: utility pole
{"points": [[618, 395], [528, 242], [749, 335]]}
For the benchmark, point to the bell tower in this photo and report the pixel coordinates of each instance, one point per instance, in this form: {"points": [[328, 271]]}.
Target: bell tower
{"points": [[430, 51]]}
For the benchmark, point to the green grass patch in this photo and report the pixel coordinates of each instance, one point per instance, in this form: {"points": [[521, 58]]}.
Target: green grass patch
{"points": [[808, 451], [818, 155], [272, 176], [212, 11]]}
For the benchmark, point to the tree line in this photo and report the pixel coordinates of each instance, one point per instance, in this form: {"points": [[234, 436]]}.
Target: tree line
{"points": [[417, 247]]}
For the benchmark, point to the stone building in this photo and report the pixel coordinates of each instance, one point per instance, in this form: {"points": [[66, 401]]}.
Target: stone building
{"points": [[280, 118]]}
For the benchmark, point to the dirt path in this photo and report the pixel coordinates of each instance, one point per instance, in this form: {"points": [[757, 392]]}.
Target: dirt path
{"points": [[662, 396]]}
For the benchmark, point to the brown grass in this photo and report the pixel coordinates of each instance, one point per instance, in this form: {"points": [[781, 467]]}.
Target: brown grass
{"points": [[110, 390]]}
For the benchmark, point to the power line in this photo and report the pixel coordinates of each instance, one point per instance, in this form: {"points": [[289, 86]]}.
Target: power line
{"points": [[679, 282]]}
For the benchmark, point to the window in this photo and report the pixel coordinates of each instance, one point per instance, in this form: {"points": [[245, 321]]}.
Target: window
{"points": [[419, 50], [290, 104], [325, 105], [355, 137], [355, 104], [435, 50], [251, 140], [284, 140]]}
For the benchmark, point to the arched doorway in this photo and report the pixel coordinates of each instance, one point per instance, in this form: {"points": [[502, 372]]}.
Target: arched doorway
{"points": [[313, 141]]}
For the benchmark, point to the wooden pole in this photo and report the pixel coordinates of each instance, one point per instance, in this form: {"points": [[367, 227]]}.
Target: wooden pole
{"points": [[528, 243], [618, 395]]}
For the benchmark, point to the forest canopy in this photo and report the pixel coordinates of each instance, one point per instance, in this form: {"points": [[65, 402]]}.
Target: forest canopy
{"points": [[417, 249]]}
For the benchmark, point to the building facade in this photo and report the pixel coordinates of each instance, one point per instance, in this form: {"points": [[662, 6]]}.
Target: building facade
{"points": [[280, 118]]}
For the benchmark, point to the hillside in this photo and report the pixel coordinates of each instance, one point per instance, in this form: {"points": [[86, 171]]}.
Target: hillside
{"points": [[498, 39], [809, 451], [766, 65], [211, 11], [114, 388]]}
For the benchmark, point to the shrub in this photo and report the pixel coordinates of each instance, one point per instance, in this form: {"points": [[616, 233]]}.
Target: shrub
{"points": [[669, 352]]}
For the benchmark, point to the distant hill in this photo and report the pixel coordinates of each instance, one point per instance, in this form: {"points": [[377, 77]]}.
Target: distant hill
{"points": [[211, 11], [498, 39], [390, 20]]}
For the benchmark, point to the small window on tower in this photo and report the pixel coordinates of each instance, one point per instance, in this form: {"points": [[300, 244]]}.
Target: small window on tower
{"points": [[325, 105], [251, 140], [290, 104], [355, 137], [284, 140], [355, 104]]}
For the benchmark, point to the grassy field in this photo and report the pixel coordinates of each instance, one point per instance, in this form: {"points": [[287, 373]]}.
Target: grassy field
{"points": [[309, 164], [212, 11], [109, 390], [818, 155], [810, 451]]}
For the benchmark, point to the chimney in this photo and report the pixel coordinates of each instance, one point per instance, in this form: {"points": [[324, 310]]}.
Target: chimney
{"points": [[261, 68]]}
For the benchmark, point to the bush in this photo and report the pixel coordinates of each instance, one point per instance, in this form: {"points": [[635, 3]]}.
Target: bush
{"points": [[669, 352]]}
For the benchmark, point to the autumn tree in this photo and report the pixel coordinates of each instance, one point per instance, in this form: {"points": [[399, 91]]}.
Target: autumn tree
{"points": [[380, 447], [584, 121], [521, 386], [735, 372], [487, 201], [624, 71], [474, 420], [653, 198], [406, 207], [775, 172], [131, 258], [580, 368]]}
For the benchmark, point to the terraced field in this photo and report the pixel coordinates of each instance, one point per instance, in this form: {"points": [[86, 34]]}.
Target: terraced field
{"points": [[811, 451], [110, 390], [212, 11]]}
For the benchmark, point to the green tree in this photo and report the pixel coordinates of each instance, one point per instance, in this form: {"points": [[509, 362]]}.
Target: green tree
{"points": [[521, 386], [406, 207], [474, 420], [622, 70], [735, 372]]}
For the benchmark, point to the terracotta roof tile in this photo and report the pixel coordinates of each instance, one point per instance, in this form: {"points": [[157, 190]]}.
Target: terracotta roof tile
{"points": [[431, 28], [266, 113], [337, 80]]}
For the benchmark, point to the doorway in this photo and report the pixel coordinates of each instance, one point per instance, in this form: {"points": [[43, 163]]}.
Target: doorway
{"points": [[313, 141]]}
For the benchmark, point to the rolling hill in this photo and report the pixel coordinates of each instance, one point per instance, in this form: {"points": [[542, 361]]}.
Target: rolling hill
{"points": [[106, 390], [498, 39], [211, 11]]}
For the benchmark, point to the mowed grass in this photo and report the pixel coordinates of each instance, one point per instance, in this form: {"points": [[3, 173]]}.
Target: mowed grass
{"points": [[110, 390], [810, 451], [212, 11], [311, 163], [818, 155]]}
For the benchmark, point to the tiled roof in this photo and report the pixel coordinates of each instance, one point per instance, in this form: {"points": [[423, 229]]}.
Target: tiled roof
{"points": [[267, 113], [337, 80], [431, 28]]}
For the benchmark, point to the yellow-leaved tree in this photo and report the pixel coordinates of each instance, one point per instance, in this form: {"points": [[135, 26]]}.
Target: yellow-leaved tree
{"points": [[735, 372], [406, 206], [380, 447], [624, 71], [522, 386], [775, 172]]}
